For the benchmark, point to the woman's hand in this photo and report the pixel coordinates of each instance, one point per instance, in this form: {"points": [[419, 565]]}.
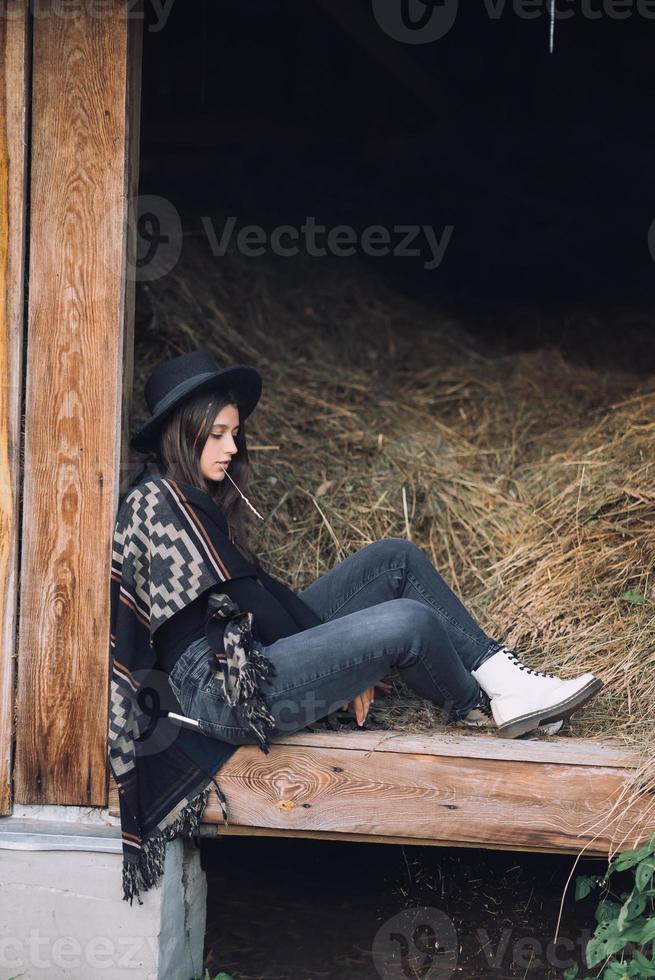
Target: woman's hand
{"points": [[363, 701]]}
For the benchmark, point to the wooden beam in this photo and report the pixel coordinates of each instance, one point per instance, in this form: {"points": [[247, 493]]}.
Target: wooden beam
{"points": [[81, 138], [550, 795], [469, 745], [238, 831], [14, 81]]}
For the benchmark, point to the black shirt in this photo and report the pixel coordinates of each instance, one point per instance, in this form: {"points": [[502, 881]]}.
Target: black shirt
{"points": [[277, 612], [174, 636]]}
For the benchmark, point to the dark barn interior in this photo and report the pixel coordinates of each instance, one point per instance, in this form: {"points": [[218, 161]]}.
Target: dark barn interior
{"points": [[274, 112]]}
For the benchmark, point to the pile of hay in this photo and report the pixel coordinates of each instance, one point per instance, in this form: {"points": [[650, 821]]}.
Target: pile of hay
{"points": [[527, 479]]}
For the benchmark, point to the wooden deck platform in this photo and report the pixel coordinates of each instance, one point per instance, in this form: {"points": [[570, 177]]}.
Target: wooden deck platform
{"points": [[464, 790]]}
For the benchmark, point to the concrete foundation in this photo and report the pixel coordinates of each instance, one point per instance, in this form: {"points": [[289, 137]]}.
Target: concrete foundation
{"points": [[62, 915]]}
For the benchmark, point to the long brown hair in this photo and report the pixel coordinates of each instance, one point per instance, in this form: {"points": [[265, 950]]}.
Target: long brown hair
{"points": [[181, 443]]}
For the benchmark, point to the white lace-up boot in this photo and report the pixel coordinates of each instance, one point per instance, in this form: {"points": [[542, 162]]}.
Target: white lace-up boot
{"points": [[523, 699], [481, 716]]}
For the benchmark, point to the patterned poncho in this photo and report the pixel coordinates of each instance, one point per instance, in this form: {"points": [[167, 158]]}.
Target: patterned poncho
{"points": [[171, 543]]}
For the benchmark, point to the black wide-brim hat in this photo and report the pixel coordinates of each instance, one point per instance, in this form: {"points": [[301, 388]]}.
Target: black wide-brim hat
{"points": [[177, 379]]}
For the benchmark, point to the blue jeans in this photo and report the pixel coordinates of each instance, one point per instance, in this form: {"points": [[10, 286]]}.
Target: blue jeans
{"points": [[384, 606]]}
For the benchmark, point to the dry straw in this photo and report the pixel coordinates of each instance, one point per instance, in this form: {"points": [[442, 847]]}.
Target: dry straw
{"points": [[527, 479]]}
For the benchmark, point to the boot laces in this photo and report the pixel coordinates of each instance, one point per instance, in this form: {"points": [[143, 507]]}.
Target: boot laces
{"points": [[484, 704], [529, 670]]}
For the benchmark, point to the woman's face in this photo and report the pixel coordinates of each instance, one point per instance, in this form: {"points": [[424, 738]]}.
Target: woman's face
{"points": [[220, 445]]}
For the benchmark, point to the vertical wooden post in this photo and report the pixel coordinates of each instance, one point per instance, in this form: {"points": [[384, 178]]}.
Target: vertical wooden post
{"points": [[79, 336], [14, 79]]}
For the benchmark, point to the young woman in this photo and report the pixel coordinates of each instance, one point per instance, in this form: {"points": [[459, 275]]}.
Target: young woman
{"points": [[384, 606]]}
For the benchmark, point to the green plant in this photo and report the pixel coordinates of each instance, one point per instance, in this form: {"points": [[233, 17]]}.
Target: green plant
{"points": [[219, 976], [625, 929], [634, 597]]}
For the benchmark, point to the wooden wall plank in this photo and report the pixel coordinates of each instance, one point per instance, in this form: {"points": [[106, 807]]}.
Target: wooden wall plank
{"points": [[14, 80], [74, 394], [432, 790], [133, 132]]}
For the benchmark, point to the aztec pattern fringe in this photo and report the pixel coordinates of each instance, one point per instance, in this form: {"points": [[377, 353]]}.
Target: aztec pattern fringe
{"points": [[241, 667], [147, 869]]}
